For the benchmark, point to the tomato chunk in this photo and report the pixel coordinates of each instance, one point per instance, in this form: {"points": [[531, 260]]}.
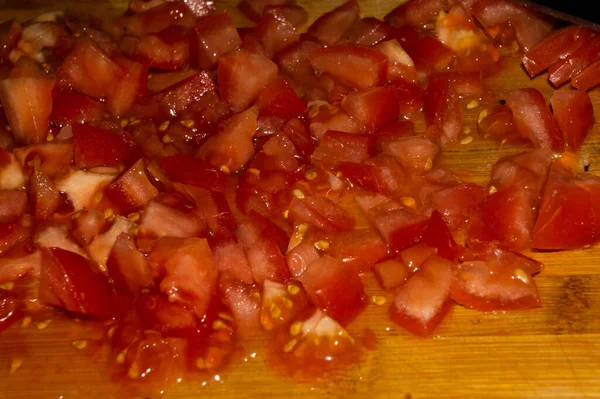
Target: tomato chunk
{"points": [[132, 189], [330, 27], [588, 78], [569, 67], [574, 114], [321, 213], [93, 146], [275, 32], [373, 107], [279, 100], [338, 147], [213, 37], [191, 170], [70, 107]]}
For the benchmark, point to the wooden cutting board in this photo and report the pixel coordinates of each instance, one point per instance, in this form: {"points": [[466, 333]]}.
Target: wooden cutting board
{"points": [[550, 352]]}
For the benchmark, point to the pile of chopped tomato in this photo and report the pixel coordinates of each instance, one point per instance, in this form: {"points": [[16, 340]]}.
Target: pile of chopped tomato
{"points": [[191, 182]]}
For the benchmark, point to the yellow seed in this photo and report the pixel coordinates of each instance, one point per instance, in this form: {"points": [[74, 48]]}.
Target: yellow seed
{"points": [[124, 122], [163, 126], [428, 164], [275, 311], [8, 128], [290, 345], [286, 213], [482, 115], [79, 344], [220, 325], [302, 228], [134, 121], [293, 289], [166, 139], [9, 285], [225, 316], [288, 304], [467, 140], [76, 215], [134, 230], [295, 328], [254, 171], [224, 169], [98, 197], [77, 34], [133, 371], [311, 175], [322, 245], [256, 295], [50, 137], [25, 322], [189, 123], [521, 275], [201, 363], [298, 193], [109, 213], [106, 115], [150, 331], [150, 76], [473, 104], [317, 341], [134, 217], [492, 189], [514, 46], [409, 202], [379, 300], [111, 331], [502, 142], [483, 47], [428, 26], [15, 364], [339, 175], [43, 324], [120, 359], [466, 130]]}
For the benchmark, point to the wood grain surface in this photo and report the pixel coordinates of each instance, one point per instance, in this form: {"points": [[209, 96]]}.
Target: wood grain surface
{"points": [[550, 352]]}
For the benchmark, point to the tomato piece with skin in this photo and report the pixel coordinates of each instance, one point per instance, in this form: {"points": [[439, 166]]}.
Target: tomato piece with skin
{"points": [[498, 124], [443, 112], [569, 212], [88, 225], [574, 114], [391, 273], [331, 26], [300, 257], [230, 258], [242, 76], [460, 205], [27, 103], [12, 205], [367, 32], [431, 55], [413, 257], [373, 107], [335, 288], [360, 249], [10, 32], [162, 220], [338, 147], [400, 65], [411, 97], [438, 236], [279, 100], [132, 190], [360, 68], [559, 45], [275, 32], [44, 195], [178, 97], [11, 235], [93, 146], [533, 118], [156, 19], [588, 78], [321, 213], [254, 9], [295, 14], [191, 170], [166, 50], [424, 300], [414, 153], [127, 266], [294, 62], [213, 37], [324, 117], [72, 284], [70, 107], [416, 13], [569, 67]]}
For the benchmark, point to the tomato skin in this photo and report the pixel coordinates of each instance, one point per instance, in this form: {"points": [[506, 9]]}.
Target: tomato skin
{"points": [[10, 32], [132, 190], [373, 107], [254, 9], [331, 26], [574, 114], [335, 288], [588, 78], [367, 32], [213, 37], [321, 213], [533, 119], [127, 266], [74, 285], [567, 68], [156, 19], [93, 146], [414, 153], [438, 236], [431, 55], [69, 107], [443, 112], [279, 100], [360, 68], [275, 32], [411, 97], [178, 97], [44, 195], [359, 249], [336, 147], [416, 13], [424, 300], [391, 273], [191, 170], [234, 72], [557, 46], [12, 205]]}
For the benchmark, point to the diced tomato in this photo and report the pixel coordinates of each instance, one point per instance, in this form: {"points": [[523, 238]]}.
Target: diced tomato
{"points": [[443, 111], [574, 114], [367, 32], [10, 311], [163, 80], [242, 76], [338, 147], [424, 300], [191, 170], [275, 32], [132, 190], [588, 78], [400, 65], [12, 234], [391, 273], [413, 257], [13, 204], [431, 55], [281, 304], [254, 9], [167, 50], [498, 280], [44, 195], [533, 118], [160, 220], [27, 103], [335, 288], [508, 217], [460, 204], [564, 69], [261, 241], [295, 14], [230, 258], [321, 213], [411, 97], [279, 100], [300, 257], [373, 107], [414, 153], [70, 107], [100, 247], [156, 19], [437, 236], [360, 249], [178, 97], [401, 229], [232, 147], [326, 117], [127, 266], [213, 37], [89, 70], [498, 124], [568, 216], [213, 209], [88, 225], [294, 62], [69, 281], [417, 12], [331, 26], [357, 67], [93, 146], [10, 32], [244, 306], [559, 45], [55, 156], [81, 187]]}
